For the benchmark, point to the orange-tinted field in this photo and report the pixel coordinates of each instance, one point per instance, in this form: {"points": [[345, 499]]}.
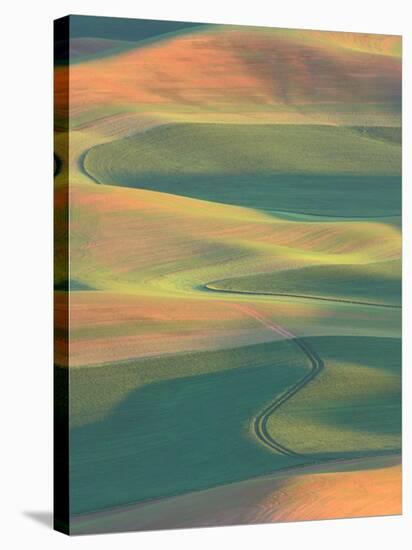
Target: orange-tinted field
{"points": [[308, 495]]}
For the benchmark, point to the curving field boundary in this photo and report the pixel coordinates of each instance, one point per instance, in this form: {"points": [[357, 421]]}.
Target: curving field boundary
{"points": [[317, 365], [210, 288]]}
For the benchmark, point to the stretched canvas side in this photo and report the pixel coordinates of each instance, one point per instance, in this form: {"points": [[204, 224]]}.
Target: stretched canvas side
{"points": [[61, 276]]}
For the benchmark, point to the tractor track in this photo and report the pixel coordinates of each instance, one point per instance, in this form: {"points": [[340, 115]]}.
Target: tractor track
{"points": [[260, 424]]}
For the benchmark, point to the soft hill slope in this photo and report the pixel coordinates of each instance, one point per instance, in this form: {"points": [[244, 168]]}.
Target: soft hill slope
{"points": [[362, 42], [251, 69], [322, 170], [376, 283]]}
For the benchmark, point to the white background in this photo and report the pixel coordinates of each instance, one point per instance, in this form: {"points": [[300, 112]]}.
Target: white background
{"points": [[26, 271]]}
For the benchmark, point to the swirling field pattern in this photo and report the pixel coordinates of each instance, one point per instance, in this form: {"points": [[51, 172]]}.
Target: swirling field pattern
{"points": [[235, 268]]}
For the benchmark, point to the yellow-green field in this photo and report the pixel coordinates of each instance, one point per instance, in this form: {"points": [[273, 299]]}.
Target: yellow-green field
{"points": [[235, 267]]}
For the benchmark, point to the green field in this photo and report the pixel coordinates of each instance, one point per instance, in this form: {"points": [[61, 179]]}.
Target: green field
{"points": [[323, 170], [174, 424], [353, 408], [371, 283], [383, 133], [158, 436]]}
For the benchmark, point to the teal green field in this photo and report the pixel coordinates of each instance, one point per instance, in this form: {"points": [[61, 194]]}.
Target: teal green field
{"points": [[351, 410], [310, 169]]}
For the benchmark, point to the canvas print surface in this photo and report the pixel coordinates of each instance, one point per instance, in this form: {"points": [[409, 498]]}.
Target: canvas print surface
{"points": [[228, 275]]}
